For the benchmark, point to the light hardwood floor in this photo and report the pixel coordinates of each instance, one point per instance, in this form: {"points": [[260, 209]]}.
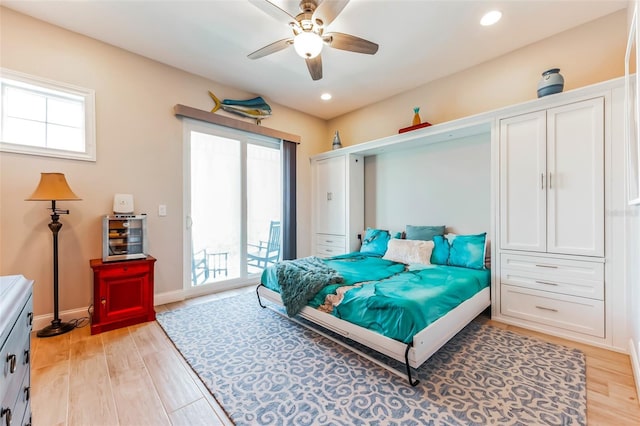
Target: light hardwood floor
{"points": [[135, 376]]}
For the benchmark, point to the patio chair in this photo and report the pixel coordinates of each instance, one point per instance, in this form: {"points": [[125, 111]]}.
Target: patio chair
{"points": [[199, 267], [266, 252]]}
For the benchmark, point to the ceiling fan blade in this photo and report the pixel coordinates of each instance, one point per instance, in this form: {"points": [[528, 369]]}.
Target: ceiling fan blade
{"points": [[349, 42], [327, 11], [315, 67], [274, 47], [274, 11]]}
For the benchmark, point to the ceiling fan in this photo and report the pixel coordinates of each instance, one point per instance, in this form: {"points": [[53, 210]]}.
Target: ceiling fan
{"points": [[308, 32]]}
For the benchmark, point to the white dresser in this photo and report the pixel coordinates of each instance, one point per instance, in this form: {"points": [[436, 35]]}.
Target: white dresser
{"points": [[16, 318]]}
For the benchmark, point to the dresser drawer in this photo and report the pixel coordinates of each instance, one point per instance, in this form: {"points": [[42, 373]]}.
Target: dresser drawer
{"points": [[16, 308], [577, 314], [562, 276], [23, 405], [15, 354]]}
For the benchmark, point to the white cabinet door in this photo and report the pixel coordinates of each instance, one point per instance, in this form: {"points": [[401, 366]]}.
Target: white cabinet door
{"points": [[552, 180], [330, 196], [575, 170], [522, 182]]}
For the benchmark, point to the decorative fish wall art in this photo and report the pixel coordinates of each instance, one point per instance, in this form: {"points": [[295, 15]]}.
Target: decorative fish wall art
{"points": [[255, 108]]}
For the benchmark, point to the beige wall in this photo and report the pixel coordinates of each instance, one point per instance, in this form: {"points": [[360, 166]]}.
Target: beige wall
{"points": [[139, 139], [588, 54], [139, 151]]}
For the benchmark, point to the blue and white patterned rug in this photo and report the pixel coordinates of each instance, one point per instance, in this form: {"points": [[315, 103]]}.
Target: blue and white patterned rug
{"points": [[264, 369]]}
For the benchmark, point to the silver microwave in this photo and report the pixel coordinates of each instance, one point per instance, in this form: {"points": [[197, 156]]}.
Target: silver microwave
{"points": [[124, 237]]}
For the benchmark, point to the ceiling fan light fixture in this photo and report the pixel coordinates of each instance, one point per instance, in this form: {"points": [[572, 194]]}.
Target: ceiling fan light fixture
{"points": [[307, 44]]}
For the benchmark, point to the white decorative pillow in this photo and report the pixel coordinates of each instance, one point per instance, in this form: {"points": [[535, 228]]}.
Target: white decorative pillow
{"points": [[409, 251]]}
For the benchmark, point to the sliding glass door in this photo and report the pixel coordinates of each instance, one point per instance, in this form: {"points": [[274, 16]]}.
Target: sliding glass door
{"points": [[233, 200]]}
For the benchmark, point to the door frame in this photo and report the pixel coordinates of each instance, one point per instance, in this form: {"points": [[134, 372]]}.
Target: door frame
{"points": [[190, 125]]}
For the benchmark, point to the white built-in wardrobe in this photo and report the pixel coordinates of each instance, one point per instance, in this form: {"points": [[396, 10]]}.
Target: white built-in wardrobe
{"points": [[552, 217], [558, 209]]}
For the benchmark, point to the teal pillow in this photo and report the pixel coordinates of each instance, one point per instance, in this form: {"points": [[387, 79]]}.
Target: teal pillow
{"points": [[440, 253], [423, 232], [467, 251], [375, 241]]}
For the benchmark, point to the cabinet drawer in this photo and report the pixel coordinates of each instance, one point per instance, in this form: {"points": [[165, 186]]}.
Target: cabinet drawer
{"points": [[562, 276], [118, 270], [577, 314], [331, 240], [328, 245], [329, 251]]}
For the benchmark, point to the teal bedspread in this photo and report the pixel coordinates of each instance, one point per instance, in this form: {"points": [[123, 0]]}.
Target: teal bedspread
{"points": [[352, 267], [389, 300], [402, 305]]}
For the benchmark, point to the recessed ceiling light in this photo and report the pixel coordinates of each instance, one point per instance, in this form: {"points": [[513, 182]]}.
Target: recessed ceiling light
{"points": [[325, 96], [491, 18]]}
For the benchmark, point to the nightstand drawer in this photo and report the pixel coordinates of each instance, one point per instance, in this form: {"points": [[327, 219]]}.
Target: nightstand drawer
{"points": [[561, 276], [577, 314]]}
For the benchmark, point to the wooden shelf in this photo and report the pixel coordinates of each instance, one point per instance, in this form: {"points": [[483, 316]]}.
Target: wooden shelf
{"points": [[417, 126]]}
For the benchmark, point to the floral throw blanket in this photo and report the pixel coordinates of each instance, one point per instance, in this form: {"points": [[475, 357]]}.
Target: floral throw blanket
{"points": [[301, 279]]}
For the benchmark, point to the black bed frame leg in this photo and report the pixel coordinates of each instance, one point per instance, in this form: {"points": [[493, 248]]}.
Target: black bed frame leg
{"points": [[406, 360], [258, 294]]}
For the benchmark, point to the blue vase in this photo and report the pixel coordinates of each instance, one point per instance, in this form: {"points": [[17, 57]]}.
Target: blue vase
{"points": [[550, 83]]}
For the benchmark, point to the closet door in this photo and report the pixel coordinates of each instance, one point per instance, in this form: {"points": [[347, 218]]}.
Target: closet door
{"points": [[330, 196], [522, 182], [575, 187]]}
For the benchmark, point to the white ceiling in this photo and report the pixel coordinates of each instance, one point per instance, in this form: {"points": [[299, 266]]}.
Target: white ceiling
{"points": [[420, 41]]}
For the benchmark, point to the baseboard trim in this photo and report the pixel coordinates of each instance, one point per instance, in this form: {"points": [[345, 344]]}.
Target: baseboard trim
{"points": [[41, 321], [635, 365], [168, 297]]}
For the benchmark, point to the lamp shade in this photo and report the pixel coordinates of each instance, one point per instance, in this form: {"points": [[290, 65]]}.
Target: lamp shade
{"points": [[53, 186]]}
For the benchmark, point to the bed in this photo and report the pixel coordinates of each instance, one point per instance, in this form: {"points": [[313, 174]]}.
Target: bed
{"points": [[404, 298]]}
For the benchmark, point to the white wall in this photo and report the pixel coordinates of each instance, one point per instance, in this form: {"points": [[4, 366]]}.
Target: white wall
{"points": [[587, 54], [139, 151], [448, 183]]}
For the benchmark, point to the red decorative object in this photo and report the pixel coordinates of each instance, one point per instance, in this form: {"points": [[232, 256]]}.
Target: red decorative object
{"points": [[122, 293], [417, 126]]}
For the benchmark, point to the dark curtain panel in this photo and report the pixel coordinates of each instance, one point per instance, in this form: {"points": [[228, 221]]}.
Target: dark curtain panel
{"points": [[289, 222]]}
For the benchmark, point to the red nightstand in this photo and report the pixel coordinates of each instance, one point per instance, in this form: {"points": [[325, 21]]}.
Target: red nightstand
{"points": [[122, 293]]}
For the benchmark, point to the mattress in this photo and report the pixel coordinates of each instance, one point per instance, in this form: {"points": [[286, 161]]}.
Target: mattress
{"points": [[385, 297]]}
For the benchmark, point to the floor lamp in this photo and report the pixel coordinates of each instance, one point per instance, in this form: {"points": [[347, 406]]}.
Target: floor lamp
{"points": [[54, 187]]}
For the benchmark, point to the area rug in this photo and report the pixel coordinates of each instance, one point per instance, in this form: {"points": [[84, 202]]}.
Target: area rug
{"points": [[264, 369]]}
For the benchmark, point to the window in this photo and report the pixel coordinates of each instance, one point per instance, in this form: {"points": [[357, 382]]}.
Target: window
{"points": [[43, 117]]}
